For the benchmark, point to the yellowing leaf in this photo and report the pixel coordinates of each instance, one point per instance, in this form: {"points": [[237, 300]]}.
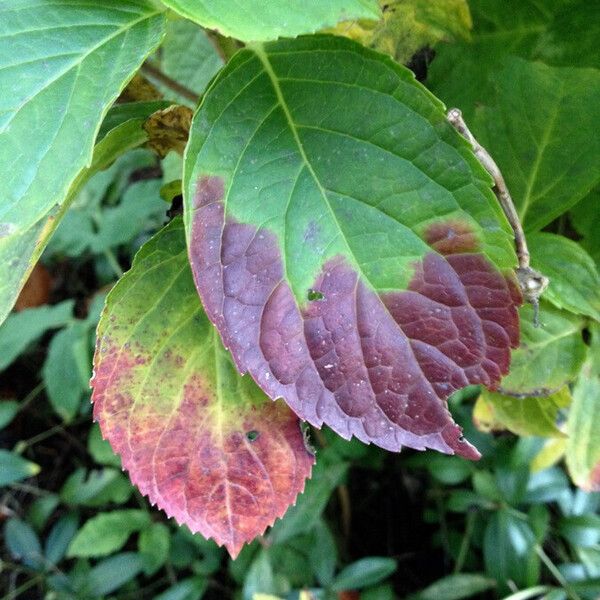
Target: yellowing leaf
{"points": [[408, 25], [525, 416]]}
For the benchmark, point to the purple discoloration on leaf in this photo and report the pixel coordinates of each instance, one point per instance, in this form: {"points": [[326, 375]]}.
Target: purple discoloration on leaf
{"points": [[376, 367]]}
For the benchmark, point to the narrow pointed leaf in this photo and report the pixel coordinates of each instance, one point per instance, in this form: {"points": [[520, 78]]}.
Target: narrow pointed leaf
{"points": [[256, 20], [201, 442], [346, 242], [62, 64]]}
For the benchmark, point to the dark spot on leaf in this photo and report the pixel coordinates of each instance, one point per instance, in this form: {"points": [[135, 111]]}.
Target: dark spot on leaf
{"points": [[314, 295], [251, 436], [451, 237]]}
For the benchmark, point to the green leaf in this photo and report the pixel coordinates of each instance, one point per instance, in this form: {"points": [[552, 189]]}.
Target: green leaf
{"points": [[508, 550], [78, 229], [460, 73], [100, 449], [363, 573], [15, 468], [549, 356], [23, 543], [41, 509], [60, 537], [110, 574], [153, 544], [456, 587], [583, 446], [163, 379], [107, 532], [96, 488], [310, 504], [259, 578], [187, 589], [62, 64], [255, 20], [23, 328], [529, 415], [547, 156], [188, 57], [585, 217], [8, 411], [574, 280], [323, 555], [314, 232], [408, 26], [67, 369]]}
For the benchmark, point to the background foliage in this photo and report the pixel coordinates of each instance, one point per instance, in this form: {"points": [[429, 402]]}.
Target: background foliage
{"points": [[523, 522]]}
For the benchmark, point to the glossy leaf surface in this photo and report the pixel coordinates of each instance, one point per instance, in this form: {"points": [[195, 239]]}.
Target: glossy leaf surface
{"points": [[256, 20], [62, 64], [346, 242], [201, 442]]}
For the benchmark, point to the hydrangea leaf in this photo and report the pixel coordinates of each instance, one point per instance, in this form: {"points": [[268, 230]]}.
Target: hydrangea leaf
{"points": [[536, 415], [583, 445], [201, 442], [549, 356], [62, 64], [574, 280], [346, 242], [256, 20], [407, 26]]}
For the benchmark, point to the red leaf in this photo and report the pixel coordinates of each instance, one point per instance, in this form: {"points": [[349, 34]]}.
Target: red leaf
{"points": [[199, 441], [376, 367]]}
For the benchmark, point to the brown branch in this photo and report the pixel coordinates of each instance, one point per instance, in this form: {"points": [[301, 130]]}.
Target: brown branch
{"points": [[532, 282], [156, 73]]}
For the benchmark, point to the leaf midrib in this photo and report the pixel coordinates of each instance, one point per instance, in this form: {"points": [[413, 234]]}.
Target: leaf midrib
{"points": [[258, 49]]}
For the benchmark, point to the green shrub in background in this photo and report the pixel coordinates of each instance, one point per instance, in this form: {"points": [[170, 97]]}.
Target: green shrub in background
{"points": [[92, 169]]}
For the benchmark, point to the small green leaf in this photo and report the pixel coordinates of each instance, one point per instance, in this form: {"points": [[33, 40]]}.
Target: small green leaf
{"points": [[536, 415], [23, 328], [456, 587], [255, 20], [14, 468], [311, 503], [259, 578], [60, 537], [323, 554], [107, 532], [41, 509], [153, 544], [100, 449], [508, 550], [8, 411], [62, 64], [574, 279], [363, 573], [67, 369], [549, 356], [23, 543], [191, 588], [110, 574], [96, 488]]}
